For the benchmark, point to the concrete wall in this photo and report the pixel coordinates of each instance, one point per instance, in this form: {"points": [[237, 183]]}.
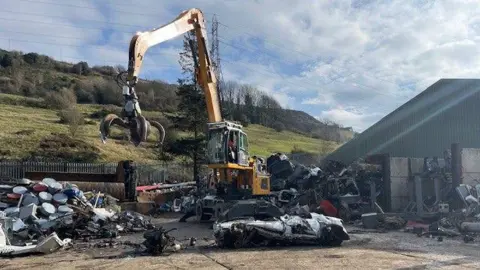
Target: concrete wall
{"points": [[400, 185], [400, 188], [470, 165]]}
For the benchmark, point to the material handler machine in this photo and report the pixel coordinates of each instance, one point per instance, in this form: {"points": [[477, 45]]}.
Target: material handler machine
{"points": [[235, 177]]}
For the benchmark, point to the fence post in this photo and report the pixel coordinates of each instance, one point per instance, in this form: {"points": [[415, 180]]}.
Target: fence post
{"points": [[22, 169]]}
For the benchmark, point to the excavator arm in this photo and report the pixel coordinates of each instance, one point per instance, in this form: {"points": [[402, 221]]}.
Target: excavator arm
{"points": [[188, 20]]}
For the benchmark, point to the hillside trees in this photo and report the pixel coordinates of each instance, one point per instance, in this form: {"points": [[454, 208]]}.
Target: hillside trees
{"points": [[35, 75]]}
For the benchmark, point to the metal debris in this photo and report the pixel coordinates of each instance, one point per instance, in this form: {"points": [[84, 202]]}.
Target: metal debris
{"points": [[33, 211], [157, 241], [311, 228]]}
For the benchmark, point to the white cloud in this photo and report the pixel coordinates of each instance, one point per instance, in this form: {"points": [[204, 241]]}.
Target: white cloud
{"points": [[329, 58], [349, 117]]}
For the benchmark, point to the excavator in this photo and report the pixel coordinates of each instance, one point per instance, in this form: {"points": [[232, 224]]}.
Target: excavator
{"points": [[235, 176]]}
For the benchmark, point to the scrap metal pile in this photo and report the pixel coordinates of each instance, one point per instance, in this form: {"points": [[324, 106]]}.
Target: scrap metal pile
{"points": [[441, 220], [31, 211], [336, 190], [306, 207]]}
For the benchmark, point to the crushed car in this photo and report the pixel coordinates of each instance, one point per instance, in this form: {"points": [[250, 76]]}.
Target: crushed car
{"points": [[303, 229]]}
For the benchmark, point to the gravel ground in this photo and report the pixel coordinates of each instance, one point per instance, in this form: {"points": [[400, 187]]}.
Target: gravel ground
{"points": [[365, 250]]}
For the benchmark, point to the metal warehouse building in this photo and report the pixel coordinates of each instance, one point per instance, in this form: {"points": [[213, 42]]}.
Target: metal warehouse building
{"points": [[447, 112]]}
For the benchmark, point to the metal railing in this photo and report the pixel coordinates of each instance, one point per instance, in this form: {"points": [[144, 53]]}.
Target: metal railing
{"points": [[147, 173]]}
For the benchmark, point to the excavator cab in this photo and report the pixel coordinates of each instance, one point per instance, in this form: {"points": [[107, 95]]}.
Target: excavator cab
{"points": [[227, 144], [227, 154]]}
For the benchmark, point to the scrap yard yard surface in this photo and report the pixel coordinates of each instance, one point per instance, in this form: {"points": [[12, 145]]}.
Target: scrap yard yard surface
{"points": [[214, 173], [300, 227], [365, 250]]}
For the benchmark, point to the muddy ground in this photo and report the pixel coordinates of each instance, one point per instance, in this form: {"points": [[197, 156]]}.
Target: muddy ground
{"points": [[365, 250]]}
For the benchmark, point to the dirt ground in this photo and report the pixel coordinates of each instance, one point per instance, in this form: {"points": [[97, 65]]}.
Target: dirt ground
{"points": [[365, 250]]}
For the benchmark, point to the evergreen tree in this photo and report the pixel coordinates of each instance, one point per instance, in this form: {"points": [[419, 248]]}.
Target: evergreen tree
{"points": [[192, 107]]}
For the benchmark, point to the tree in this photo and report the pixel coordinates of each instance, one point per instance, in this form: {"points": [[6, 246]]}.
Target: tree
{"points": [[278, 126], [81, 68], [31, 58], [192, 105], [18, 76]]}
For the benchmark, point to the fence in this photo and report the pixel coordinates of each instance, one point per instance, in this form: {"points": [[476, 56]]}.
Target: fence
{"points": [[146, 173]]}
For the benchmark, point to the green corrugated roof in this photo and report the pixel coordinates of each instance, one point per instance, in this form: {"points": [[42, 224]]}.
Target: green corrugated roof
{"points": [[448, 111]]}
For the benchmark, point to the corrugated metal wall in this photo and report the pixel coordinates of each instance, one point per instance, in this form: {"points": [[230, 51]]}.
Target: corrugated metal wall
{"points": [[447, 112]]}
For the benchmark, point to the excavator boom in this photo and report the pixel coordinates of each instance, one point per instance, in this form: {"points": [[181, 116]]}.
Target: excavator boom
{"points": [[188, 20], [227, 146]]}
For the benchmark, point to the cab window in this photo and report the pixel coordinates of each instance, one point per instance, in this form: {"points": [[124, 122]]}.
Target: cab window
{"points": [[243, 142]]}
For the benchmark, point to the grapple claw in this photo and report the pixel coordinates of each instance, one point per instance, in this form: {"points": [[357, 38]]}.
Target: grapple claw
{"points": [[161, 131], [139, 128], [107, 122]]}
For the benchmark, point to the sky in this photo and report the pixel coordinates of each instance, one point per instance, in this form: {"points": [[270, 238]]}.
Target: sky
{"points": [[352, 62]]}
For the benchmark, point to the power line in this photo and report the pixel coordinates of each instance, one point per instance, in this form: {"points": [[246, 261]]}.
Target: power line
{"points": [[97, 47], [92, 8], [66, 18], [273, 58], [276, 59], [59, 24], [116, 4], [265, 40], [68, 25], [102, 48], [331, 81], [44, 35], [296, 84], [311, 87], [224, 25], [163, 53], [128, 25], [116, 63], [225, 43]]}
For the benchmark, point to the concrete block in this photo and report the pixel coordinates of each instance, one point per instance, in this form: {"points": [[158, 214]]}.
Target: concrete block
{"points": [[399, 186], [399, 167], [370, 220], [399, 203], [416, 165], [470, 160]]}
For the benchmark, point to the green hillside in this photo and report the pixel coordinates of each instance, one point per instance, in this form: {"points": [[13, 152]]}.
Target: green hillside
{"points": [[27, 131], [52, 109]]}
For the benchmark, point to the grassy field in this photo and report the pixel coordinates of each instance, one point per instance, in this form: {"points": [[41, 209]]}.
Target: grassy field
{"points": [[24, 127], [265, 141]]}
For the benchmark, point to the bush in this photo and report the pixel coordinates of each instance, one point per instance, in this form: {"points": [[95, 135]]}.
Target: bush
{"points": [[278, 126], [73, 118], [296, 150], [63, 99]]}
